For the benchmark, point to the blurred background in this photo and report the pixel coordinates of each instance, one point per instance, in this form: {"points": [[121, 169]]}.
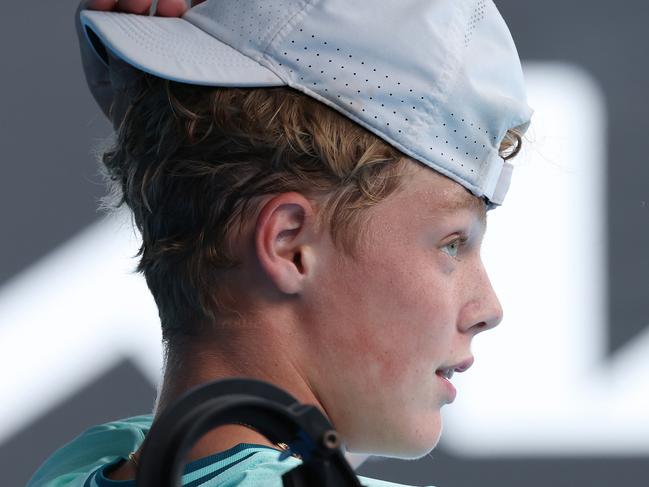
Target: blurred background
{"points": [[559, 393]]}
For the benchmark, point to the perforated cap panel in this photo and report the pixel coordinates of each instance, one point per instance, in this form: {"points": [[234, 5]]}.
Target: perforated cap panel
{"points": [[440, 79]]}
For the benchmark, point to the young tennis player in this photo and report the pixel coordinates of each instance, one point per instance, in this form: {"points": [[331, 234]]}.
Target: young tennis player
{"points": [[311, 180]]}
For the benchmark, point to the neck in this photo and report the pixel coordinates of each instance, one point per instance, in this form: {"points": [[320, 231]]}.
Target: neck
{"points": [[210, 362]]}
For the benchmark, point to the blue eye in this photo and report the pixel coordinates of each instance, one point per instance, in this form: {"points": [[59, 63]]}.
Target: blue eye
{"points": [[453, 247]]}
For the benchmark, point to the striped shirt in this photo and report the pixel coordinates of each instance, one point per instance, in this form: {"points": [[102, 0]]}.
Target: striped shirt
{"points": [[85, 460]]}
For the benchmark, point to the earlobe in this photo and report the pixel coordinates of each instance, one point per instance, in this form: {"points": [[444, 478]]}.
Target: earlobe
{"points": [[281, 232]]}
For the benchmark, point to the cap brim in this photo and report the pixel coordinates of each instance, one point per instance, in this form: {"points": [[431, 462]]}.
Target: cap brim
{"points": [[174, 49]]}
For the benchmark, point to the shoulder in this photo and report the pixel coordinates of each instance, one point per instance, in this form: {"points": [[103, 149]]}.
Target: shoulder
{"points": [[251, 466], [99, 445], [245, 465], [86, 456]]}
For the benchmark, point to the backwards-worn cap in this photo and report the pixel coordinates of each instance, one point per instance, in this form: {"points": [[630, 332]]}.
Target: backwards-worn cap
{"points": [[439, 80]]}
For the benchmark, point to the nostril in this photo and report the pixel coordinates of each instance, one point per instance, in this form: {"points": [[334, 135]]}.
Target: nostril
{"points": [[480, 326]]}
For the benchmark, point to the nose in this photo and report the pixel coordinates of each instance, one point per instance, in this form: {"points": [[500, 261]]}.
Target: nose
{"points": [[482, 310]]}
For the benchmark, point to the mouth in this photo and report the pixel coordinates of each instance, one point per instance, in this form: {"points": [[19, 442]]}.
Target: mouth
{"points": [[445, 373]]}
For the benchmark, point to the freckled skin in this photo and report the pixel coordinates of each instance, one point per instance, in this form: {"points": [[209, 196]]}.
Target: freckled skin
{"points": [[390, 317]]}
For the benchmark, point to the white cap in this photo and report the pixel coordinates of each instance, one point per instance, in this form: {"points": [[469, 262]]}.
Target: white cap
{"points": [[440, 80]]}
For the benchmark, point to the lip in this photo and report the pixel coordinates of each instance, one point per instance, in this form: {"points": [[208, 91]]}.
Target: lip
{"points": [[457, 367], [462, 366], [451, 392]]}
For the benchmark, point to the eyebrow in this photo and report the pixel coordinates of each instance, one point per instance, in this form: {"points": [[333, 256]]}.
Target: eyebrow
{"points": [[468, 201]]}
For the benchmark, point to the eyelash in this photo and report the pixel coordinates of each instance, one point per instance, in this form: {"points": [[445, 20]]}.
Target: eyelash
{"points": [[461, 241]]}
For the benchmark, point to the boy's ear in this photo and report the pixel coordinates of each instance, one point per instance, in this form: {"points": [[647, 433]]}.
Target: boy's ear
{"points": [[282, 234]]}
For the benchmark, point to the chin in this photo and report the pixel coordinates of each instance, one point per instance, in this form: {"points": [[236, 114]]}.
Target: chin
{"points": [[410, 455], [416, 437], [423, 442], [416, 454], [415, 449]]}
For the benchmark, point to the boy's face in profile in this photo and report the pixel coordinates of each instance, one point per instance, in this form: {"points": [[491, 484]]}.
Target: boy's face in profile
{"points": [[362, 335], [406, 305]]}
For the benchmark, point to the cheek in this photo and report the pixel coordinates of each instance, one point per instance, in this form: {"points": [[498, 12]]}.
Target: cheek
{"points": [[399, 313]]}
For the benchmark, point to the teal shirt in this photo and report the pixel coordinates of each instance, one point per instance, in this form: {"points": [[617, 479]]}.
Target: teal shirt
{"points": [[82, 462]]}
